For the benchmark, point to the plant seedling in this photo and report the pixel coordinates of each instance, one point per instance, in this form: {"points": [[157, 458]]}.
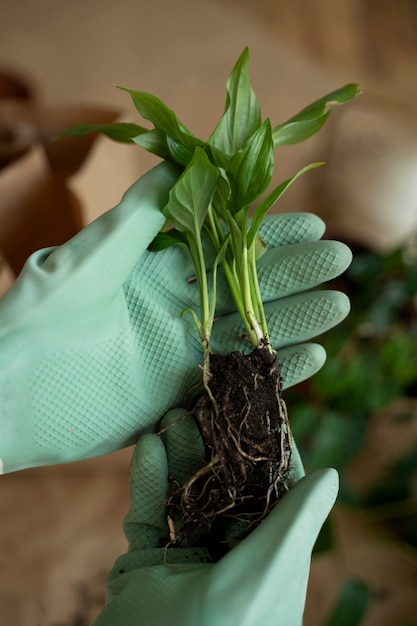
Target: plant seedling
{"points": [[241, 414]]}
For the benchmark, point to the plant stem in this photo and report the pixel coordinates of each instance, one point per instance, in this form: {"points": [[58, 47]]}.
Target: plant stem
{"points": [[258, 296], [215, 231], [242, 279], [246, 283], [206, 322]]}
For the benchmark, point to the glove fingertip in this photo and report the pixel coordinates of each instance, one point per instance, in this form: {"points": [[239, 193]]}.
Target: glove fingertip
{"points": [[343, 254], [148, 491], [149, 459], [300, 362], [184, 445], [288, 228], [313, 497]]}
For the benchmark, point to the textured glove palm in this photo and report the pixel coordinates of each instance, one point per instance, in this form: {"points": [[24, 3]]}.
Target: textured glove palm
{"points": [[93, 349]]}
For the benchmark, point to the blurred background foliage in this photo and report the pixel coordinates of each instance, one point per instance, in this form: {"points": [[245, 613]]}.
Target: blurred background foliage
{"points": [[371, 360], [371, 367]]}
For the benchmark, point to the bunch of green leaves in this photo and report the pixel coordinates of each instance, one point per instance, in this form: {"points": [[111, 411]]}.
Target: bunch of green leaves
{"points": [[221, 179]]}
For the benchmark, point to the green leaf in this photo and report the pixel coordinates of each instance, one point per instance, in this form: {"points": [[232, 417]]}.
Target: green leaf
{"points": [[260, 246], [154, 141], [163, 118], [217, 261], [191, 196], [179, 152], [351, 606], [396, 483], [236, 241], [164, 240], [119, 131], [264, 206], [196, 319], [222, 252], [325, 541], [308, 121], [336, 441], [218, 157], [242, 114], [222, 195], [251, 167]]}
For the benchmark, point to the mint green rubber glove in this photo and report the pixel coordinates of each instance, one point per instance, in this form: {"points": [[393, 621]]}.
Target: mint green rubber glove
{"points": [[93, 349], [262, 581]]}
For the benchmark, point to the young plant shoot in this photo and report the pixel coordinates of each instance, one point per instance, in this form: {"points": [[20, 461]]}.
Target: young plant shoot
{"points": [[241, 414]]}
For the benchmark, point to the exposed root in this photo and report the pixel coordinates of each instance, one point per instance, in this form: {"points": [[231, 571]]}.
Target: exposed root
{"points": [[244, 424]]}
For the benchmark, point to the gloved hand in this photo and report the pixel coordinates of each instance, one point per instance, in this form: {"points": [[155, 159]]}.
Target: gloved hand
{"points": [[92, 346], [262, 581]]}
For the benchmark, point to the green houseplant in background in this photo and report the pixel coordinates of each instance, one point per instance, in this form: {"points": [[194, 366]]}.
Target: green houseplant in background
{"points": [[371, 360], [371, 365], [208, 215]]}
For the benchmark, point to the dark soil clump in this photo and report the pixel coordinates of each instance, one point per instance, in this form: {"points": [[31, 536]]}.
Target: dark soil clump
{"points": [[243, 421]]}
